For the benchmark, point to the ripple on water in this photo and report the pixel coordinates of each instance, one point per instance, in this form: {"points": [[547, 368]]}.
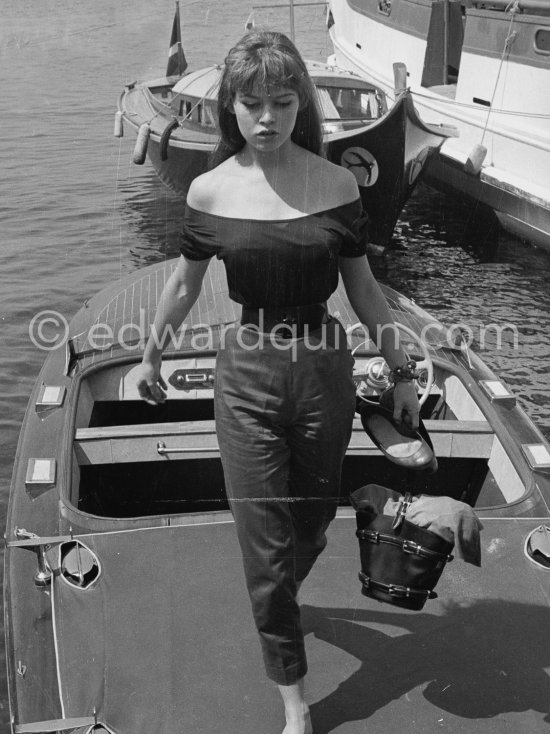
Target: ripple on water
{"points": [[466, 271]]}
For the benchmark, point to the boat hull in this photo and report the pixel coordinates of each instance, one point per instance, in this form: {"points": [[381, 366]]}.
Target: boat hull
{"points": [[521, 213], [180, 166], [475, 657], [499, 103], [393, 169]]}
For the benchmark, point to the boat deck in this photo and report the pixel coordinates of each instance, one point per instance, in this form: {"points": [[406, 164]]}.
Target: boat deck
{"points": [[132, 301], [160, 638], [474, 660]]}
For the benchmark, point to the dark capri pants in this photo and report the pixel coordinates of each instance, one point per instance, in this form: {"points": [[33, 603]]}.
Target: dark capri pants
{"points": [[284, 412]]}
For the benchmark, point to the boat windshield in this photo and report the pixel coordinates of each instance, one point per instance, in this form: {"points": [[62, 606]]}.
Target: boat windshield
{"points": [[195, 110], [343, 103]]}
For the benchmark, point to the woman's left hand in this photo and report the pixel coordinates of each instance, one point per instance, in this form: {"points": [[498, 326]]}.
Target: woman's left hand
{"points": [[405, 404]]}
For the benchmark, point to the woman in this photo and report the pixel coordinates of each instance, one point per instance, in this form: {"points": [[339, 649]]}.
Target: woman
{"points": [[284, 220]]}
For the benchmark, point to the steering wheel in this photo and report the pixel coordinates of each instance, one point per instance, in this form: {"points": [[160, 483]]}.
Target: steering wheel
{"points": [[375, 373]]}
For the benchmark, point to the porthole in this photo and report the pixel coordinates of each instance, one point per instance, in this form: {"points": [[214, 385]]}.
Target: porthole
{"points": [[78, 565], [537, 546], [542, 41]]}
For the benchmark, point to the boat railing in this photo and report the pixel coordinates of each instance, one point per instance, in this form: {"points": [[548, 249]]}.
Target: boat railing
{"points": [[534, 7]]}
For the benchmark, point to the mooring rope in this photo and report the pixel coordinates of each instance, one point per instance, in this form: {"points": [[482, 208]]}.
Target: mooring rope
{"points": [[512, 8], [466, 105]]}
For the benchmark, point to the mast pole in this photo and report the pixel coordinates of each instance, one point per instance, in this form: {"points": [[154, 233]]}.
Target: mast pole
{"points": [[445, 41], [291, 13]]}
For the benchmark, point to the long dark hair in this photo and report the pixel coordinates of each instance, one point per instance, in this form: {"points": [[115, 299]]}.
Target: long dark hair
{"points": [[267, 59]]}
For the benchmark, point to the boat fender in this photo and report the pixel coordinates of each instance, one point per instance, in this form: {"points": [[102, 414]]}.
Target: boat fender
{"points": [[475, 160], [119, 129], [165, 137], [400, 75], [142, 141]]}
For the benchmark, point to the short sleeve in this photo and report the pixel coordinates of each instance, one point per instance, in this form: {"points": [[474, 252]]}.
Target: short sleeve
{"points": [[197, 242], [355, 237]]}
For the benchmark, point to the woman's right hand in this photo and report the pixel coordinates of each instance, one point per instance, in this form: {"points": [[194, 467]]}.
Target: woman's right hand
{"points": [[150, 384]]}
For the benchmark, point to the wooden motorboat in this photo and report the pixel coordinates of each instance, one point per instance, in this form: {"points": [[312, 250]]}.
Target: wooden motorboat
{"points": [[125, 605], [175, 118], [481, 66]]}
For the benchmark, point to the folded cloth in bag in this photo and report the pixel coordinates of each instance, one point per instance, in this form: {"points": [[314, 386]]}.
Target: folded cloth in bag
{"points": [[401, 562], [453, 520]]}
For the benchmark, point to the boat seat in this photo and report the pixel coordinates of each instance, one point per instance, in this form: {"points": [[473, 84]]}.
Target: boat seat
{"points": [[197, 439]]}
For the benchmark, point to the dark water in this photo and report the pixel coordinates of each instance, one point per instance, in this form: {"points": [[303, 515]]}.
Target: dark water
{"points": [[75, 213], [459, 265]]}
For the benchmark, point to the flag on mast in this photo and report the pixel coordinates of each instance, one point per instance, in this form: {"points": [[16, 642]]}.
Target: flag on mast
{"points": [[177, 63], [249, 25]]}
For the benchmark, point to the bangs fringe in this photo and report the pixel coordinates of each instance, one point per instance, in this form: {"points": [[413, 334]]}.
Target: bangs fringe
{"points": [[269, 70]]}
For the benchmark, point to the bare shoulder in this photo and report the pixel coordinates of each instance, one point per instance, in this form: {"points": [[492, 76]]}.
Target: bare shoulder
{"points": [[204, 190], [336, 184], [342, 179], [200, 192]]}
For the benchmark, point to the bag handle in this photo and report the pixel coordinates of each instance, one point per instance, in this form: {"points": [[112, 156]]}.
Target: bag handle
{"points": [[401, 511]]}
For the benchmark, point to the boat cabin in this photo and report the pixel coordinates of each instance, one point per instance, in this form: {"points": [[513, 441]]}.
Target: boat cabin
{"points": [[345, 101], [450, 46], [194, 98]]}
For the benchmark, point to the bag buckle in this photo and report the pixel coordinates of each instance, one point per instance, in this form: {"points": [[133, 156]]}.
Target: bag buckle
{"points": [[365, 580], [371, 536], [409, 546], [400, 591]]}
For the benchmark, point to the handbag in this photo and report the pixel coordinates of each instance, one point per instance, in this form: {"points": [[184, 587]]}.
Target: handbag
{"points": [[401, 562]]}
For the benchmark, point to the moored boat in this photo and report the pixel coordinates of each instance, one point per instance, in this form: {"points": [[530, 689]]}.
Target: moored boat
{"points": [[387, 148], [482, 66], [125, 606]]}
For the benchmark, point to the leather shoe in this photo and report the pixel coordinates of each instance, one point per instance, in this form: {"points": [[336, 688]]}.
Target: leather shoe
{"points": [[411, 449]]}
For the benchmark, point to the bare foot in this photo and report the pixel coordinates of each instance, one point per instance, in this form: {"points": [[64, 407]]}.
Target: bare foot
{"points": [[300, 724], [297, 716]]}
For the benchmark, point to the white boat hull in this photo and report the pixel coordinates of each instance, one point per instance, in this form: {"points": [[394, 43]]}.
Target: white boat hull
{"points": [[500, 102]]}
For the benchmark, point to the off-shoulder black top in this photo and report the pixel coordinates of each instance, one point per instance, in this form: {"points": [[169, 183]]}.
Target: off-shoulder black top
{"points": [[281, 262]]}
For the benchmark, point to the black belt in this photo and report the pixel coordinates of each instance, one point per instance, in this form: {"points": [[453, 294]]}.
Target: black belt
{"points": [[407, 546], [285, 322], [395, 589]]}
